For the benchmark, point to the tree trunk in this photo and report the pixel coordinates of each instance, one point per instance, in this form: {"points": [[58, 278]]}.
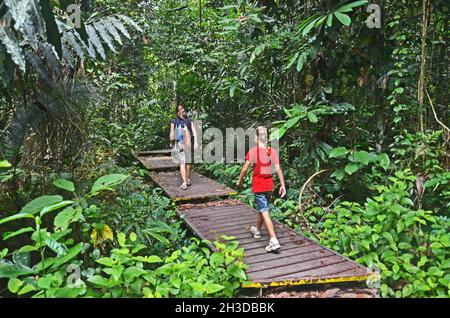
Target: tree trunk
{"points": [[421, 85]]}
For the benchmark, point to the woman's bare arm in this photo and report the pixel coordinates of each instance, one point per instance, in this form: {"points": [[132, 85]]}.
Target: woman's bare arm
{"points": [[171, 134], [194, 132], [243, 172], [281, 177]]}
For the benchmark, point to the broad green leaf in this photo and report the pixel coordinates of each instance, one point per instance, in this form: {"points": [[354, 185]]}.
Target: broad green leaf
{"points": [[68, 292], [301, 61], [198, 287], [71, 253], [349, 7], [153, 259], [106, 261], [99, 280], [26, 289], [216, 259], [309, 26], [214, 288], [16, 217], [132, 272], [54, 207], [14, 284], [64, 184], [237, 272], [338, 152], [38, 204], [345, 19], [45, 282], [232, 89], [8, 270], [67, 216], [338, 174], [362, 157], [278, 133], [312, 117], [107, 181], [291, 62], [291, 122], [351, 167], [26, 249], [8, 235], [384, 161], [56, 246], [330, 20], [4, 164]]}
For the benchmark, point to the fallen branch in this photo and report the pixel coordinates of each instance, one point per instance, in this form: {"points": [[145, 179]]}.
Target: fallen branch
{"points": [[435, 115], [300, 201]]}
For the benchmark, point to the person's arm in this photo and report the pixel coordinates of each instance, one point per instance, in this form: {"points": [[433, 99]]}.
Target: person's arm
{"points": [[282, 191], [194, 132], [171, 134], [242, 174]]}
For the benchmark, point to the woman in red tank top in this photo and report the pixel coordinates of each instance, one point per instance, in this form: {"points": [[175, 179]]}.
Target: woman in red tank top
{"points": [[263, 157]]}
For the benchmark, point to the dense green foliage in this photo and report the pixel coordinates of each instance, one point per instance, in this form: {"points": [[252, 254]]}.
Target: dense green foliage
{"points": [[362, 113]]}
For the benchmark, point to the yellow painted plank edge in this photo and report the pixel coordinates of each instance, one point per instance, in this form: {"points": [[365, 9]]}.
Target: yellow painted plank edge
{"points": [[307, 281]]}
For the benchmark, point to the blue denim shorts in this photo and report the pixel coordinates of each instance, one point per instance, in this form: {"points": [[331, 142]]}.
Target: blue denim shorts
{"points": [[262, 201]]}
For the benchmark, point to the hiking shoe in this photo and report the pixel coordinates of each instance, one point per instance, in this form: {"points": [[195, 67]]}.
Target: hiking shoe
{"points": [[183, 186], [188, 183], [273, 245], [255, 232]]}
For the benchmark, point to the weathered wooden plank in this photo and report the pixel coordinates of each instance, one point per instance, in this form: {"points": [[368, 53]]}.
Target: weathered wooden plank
{"points": [[298, 270], [213, 224], [157, 162], [201, 187], [289, 260], [224, 229], [285, 253], [286, 247], [158, 152], [285, 242]]}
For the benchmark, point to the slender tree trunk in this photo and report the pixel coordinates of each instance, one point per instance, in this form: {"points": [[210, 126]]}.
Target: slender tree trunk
{"points": [[421, 85]]}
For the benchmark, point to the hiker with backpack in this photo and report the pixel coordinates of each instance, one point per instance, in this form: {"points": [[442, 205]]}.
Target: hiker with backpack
{"points": [[183, 141], [263, 157]]}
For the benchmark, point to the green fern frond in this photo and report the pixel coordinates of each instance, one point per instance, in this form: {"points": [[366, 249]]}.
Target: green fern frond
{"points": [[93, 37], [101, 29]]}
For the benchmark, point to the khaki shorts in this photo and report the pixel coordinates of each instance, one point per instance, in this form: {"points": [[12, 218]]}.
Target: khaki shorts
{"points": [[179, 155]]}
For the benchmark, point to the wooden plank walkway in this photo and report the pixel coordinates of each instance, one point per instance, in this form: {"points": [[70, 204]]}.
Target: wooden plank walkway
{"points": [[159, 152], [157, 162], [300, 261], [201, 188]]}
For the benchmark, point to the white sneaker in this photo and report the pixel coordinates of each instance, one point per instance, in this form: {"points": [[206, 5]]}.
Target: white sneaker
{"points": [[183, 186], [255, 232], [273, 245]]}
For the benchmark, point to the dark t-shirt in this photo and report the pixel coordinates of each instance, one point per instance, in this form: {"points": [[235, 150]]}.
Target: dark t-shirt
{"points": [[183, 122]]}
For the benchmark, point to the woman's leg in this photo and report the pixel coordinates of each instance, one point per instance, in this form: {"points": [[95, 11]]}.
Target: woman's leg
{"points": [[259, 221], [269, 224], [183, 172], [188, 171]]}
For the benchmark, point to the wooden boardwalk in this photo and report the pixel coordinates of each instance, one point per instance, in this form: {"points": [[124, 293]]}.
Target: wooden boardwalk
{"points": [[201, 187], [157, 160], [300, 261]]}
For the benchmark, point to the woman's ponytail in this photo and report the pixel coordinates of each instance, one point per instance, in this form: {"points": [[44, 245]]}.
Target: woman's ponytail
{"points": [[262, 137]]}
